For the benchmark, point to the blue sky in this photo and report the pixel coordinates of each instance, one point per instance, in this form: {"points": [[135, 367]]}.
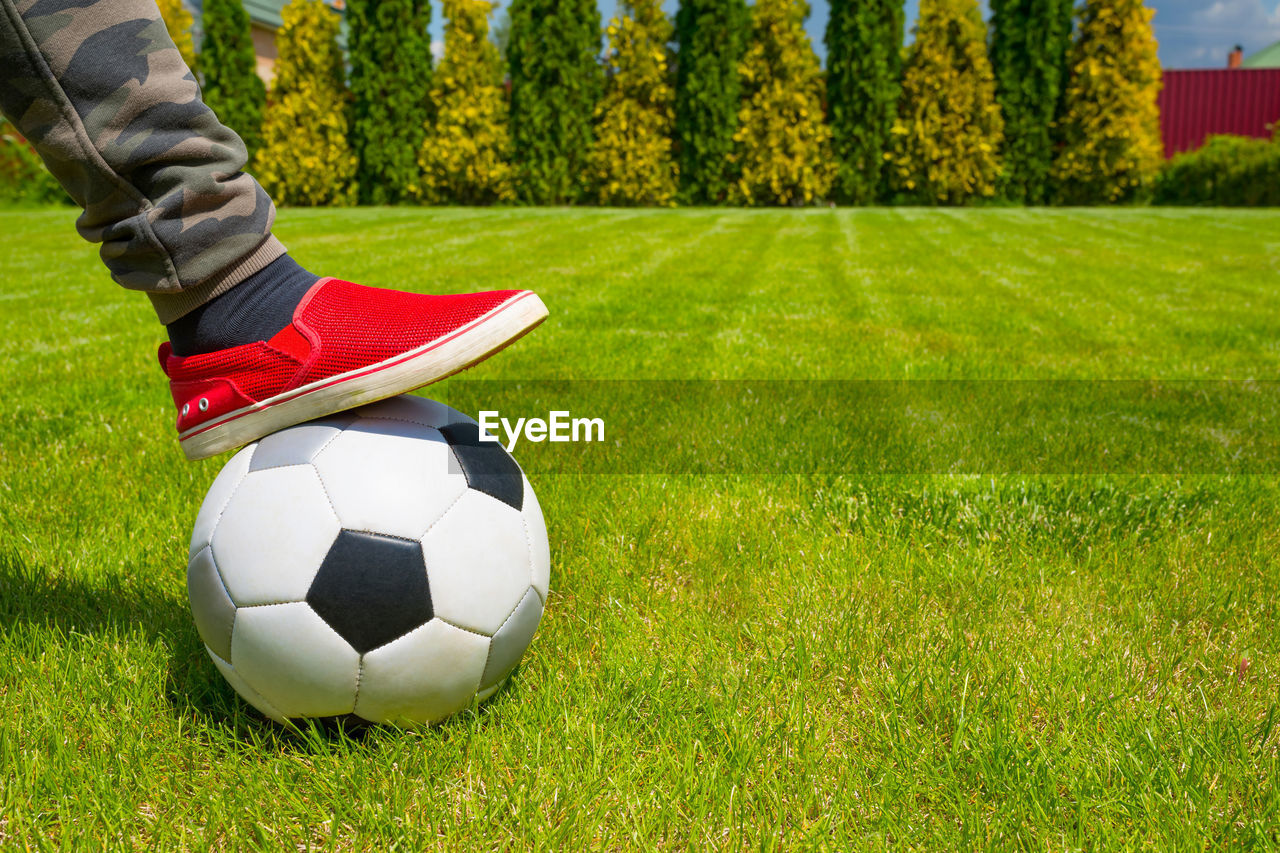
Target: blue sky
{"points": [[1191, 33]]}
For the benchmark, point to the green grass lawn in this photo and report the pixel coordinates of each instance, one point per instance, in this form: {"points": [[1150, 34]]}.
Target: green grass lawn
{"points": [[726, 660]]}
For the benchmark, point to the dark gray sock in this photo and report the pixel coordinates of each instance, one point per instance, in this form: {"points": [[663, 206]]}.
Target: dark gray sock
{"points": [[253, 310]]}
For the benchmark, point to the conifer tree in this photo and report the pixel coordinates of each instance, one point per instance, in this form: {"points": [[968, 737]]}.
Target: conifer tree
{"points": [[1110, 128], [178, 21], [1029, 40], [232, 88], [946, 139], [390, 54], [306, 158], [555, 83], [864, 69], [465, 156], [782, 145], [631, 162], [712, 37]]}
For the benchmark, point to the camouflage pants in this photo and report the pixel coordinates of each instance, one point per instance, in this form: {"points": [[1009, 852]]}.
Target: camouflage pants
{"points": [[99, 89]]}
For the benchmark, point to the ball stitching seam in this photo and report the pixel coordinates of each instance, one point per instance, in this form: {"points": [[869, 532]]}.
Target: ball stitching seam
{"points": [[331, 440], [231, 630], [355, 699], [382, 535], [213, 528], [333, 509], [489, 655], [440, 518], [464, 628]]}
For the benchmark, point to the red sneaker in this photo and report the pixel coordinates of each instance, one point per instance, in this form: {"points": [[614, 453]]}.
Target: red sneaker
{"points": [[347, 345]]}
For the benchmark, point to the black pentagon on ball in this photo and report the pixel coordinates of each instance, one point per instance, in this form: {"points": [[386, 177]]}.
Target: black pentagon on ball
{"points": [[371, 589], [487, 465]]}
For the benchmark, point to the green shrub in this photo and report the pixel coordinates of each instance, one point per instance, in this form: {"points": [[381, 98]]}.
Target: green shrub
{"points": [[864, 72], [946, 140], [712, 35], [632, 162], [553, 59], [306, 158], [782, 145], [390, 54], [1233, 171], [229, 71], [466, 155], [23, 177], [1029, 41], [1110, 127]]}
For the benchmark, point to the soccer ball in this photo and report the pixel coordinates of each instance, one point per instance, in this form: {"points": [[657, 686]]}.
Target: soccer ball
{"points": [[384, 563]]}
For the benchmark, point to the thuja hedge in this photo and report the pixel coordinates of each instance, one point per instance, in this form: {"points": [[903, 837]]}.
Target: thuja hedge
{"points": [[1231, 171], [743, 128]]}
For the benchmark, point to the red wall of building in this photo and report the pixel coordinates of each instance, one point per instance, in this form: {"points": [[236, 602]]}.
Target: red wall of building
{"points": [[1195, 104]]}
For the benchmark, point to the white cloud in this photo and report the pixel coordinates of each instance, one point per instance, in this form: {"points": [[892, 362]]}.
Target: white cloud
{"points": [[1200, 33], [437, 49], [1237, 15]]}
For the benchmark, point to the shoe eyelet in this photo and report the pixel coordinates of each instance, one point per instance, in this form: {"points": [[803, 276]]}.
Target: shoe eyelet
{"points": [[204, 404], [186, 407]]}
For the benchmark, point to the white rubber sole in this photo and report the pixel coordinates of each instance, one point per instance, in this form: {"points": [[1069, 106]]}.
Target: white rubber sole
{"points": [[483, 337]]}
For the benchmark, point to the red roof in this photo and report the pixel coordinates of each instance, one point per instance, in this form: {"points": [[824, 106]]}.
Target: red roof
{"points": [[1195, 104]]}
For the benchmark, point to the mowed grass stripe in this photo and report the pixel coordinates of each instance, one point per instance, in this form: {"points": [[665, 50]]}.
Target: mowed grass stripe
{"points": [[773, 285], [1117, 317]]}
